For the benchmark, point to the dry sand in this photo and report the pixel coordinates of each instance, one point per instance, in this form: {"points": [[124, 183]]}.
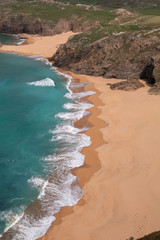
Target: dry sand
{"points": [[39, 45], [122, 198], [121, 176]]}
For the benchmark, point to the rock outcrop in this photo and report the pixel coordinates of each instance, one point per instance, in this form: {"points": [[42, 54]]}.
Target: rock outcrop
{"points": [[155, 90], [152, 236], [129, 85], [147, 73], [24, 23], [121, 56]]}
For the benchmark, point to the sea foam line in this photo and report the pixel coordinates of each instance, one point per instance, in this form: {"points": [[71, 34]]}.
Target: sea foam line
{"points": [[62, 188]]}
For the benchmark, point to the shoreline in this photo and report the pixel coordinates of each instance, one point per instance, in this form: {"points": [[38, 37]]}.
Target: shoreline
{"points": [[121, 195], [85, 172], [117, 202], [37, 45], [89, 170]]}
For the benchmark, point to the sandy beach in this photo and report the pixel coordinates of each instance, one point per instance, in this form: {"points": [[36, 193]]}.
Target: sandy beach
{"points": [[121, 172], [121, 200], [39, 45]]}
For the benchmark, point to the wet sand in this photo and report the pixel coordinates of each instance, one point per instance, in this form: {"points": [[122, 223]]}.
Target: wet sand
{"points": [[122, 194], [120, 177]]}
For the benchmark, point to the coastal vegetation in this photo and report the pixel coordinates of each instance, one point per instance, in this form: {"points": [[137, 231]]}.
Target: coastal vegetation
{"points": [[107, 33]]}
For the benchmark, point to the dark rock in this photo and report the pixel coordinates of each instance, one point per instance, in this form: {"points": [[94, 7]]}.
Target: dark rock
{"points": [[152, 236], [24, 23], [121, 56], [129, 85], [147, 73], [155, 90]]}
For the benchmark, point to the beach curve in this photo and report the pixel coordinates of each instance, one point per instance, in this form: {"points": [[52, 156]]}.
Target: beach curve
{"points": [[44, 46], [121, 200]]}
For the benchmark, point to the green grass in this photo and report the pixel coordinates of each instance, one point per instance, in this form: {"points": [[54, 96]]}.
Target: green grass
{"points": [[147, 18], [150, 17], [115, 3], [55, 12], [108, 30], [155, 11]]}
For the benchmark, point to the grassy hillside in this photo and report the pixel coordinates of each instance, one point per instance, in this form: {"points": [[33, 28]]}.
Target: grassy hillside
{"points": [[54, 12], [106, 19], [115, 3]]}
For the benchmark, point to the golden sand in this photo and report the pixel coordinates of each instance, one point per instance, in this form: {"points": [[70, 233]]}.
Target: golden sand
{"points": [[39, 45], [122, 198], [120, 177]]}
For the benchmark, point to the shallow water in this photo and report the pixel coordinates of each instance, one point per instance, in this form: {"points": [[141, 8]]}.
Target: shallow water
{"points": [[39, 145], [8, 39], [27, 113]]}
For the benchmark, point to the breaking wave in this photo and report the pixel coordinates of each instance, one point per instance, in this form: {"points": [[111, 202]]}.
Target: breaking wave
{"points": [[47, 82], [61, 188]]}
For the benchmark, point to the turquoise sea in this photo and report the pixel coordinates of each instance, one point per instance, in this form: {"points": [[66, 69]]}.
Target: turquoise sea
{"points": [[39, 145], [10, 39]]}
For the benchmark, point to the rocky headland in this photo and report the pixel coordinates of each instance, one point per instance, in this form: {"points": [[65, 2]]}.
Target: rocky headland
{"points": [[116, 43], [123, 56]]}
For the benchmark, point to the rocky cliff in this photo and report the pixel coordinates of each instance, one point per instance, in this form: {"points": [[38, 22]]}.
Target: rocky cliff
{"points": [[23, 23], [127, 55]]}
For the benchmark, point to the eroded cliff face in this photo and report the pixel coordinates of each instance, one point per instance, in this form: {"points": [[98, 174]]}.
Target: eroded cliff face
{"points": [[21, 24], [24, 23], [122, 56]]}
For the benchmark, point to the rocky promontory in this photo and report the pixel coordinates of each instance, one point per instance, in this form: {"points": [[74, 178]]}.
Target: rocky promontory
{"points": [[124, 56]]}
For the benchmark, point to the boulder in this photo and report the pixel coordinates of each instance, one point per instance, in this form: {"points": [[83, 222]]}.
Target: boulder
{"points": [[129, 85]]}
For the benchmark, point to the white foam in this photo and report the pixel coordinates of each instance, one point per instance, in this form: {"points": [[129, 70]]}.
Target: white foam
{"points": [[80, 139], [61, 189], [11, 217], [47, 82], [21, 40], [78, 106], [74, 116], [72, 95], [32, 230], [67, 129], [40, 184], [59, 192], [78, 85], [37, 182], [42, 193], [69, 160], [41, 59], [15, 220], [69, 78]]}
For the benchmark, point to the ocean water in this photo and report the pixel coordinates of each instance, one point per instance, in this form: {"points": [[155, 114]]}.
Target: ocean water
{"points": [[8, 39], [39, 145]]}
